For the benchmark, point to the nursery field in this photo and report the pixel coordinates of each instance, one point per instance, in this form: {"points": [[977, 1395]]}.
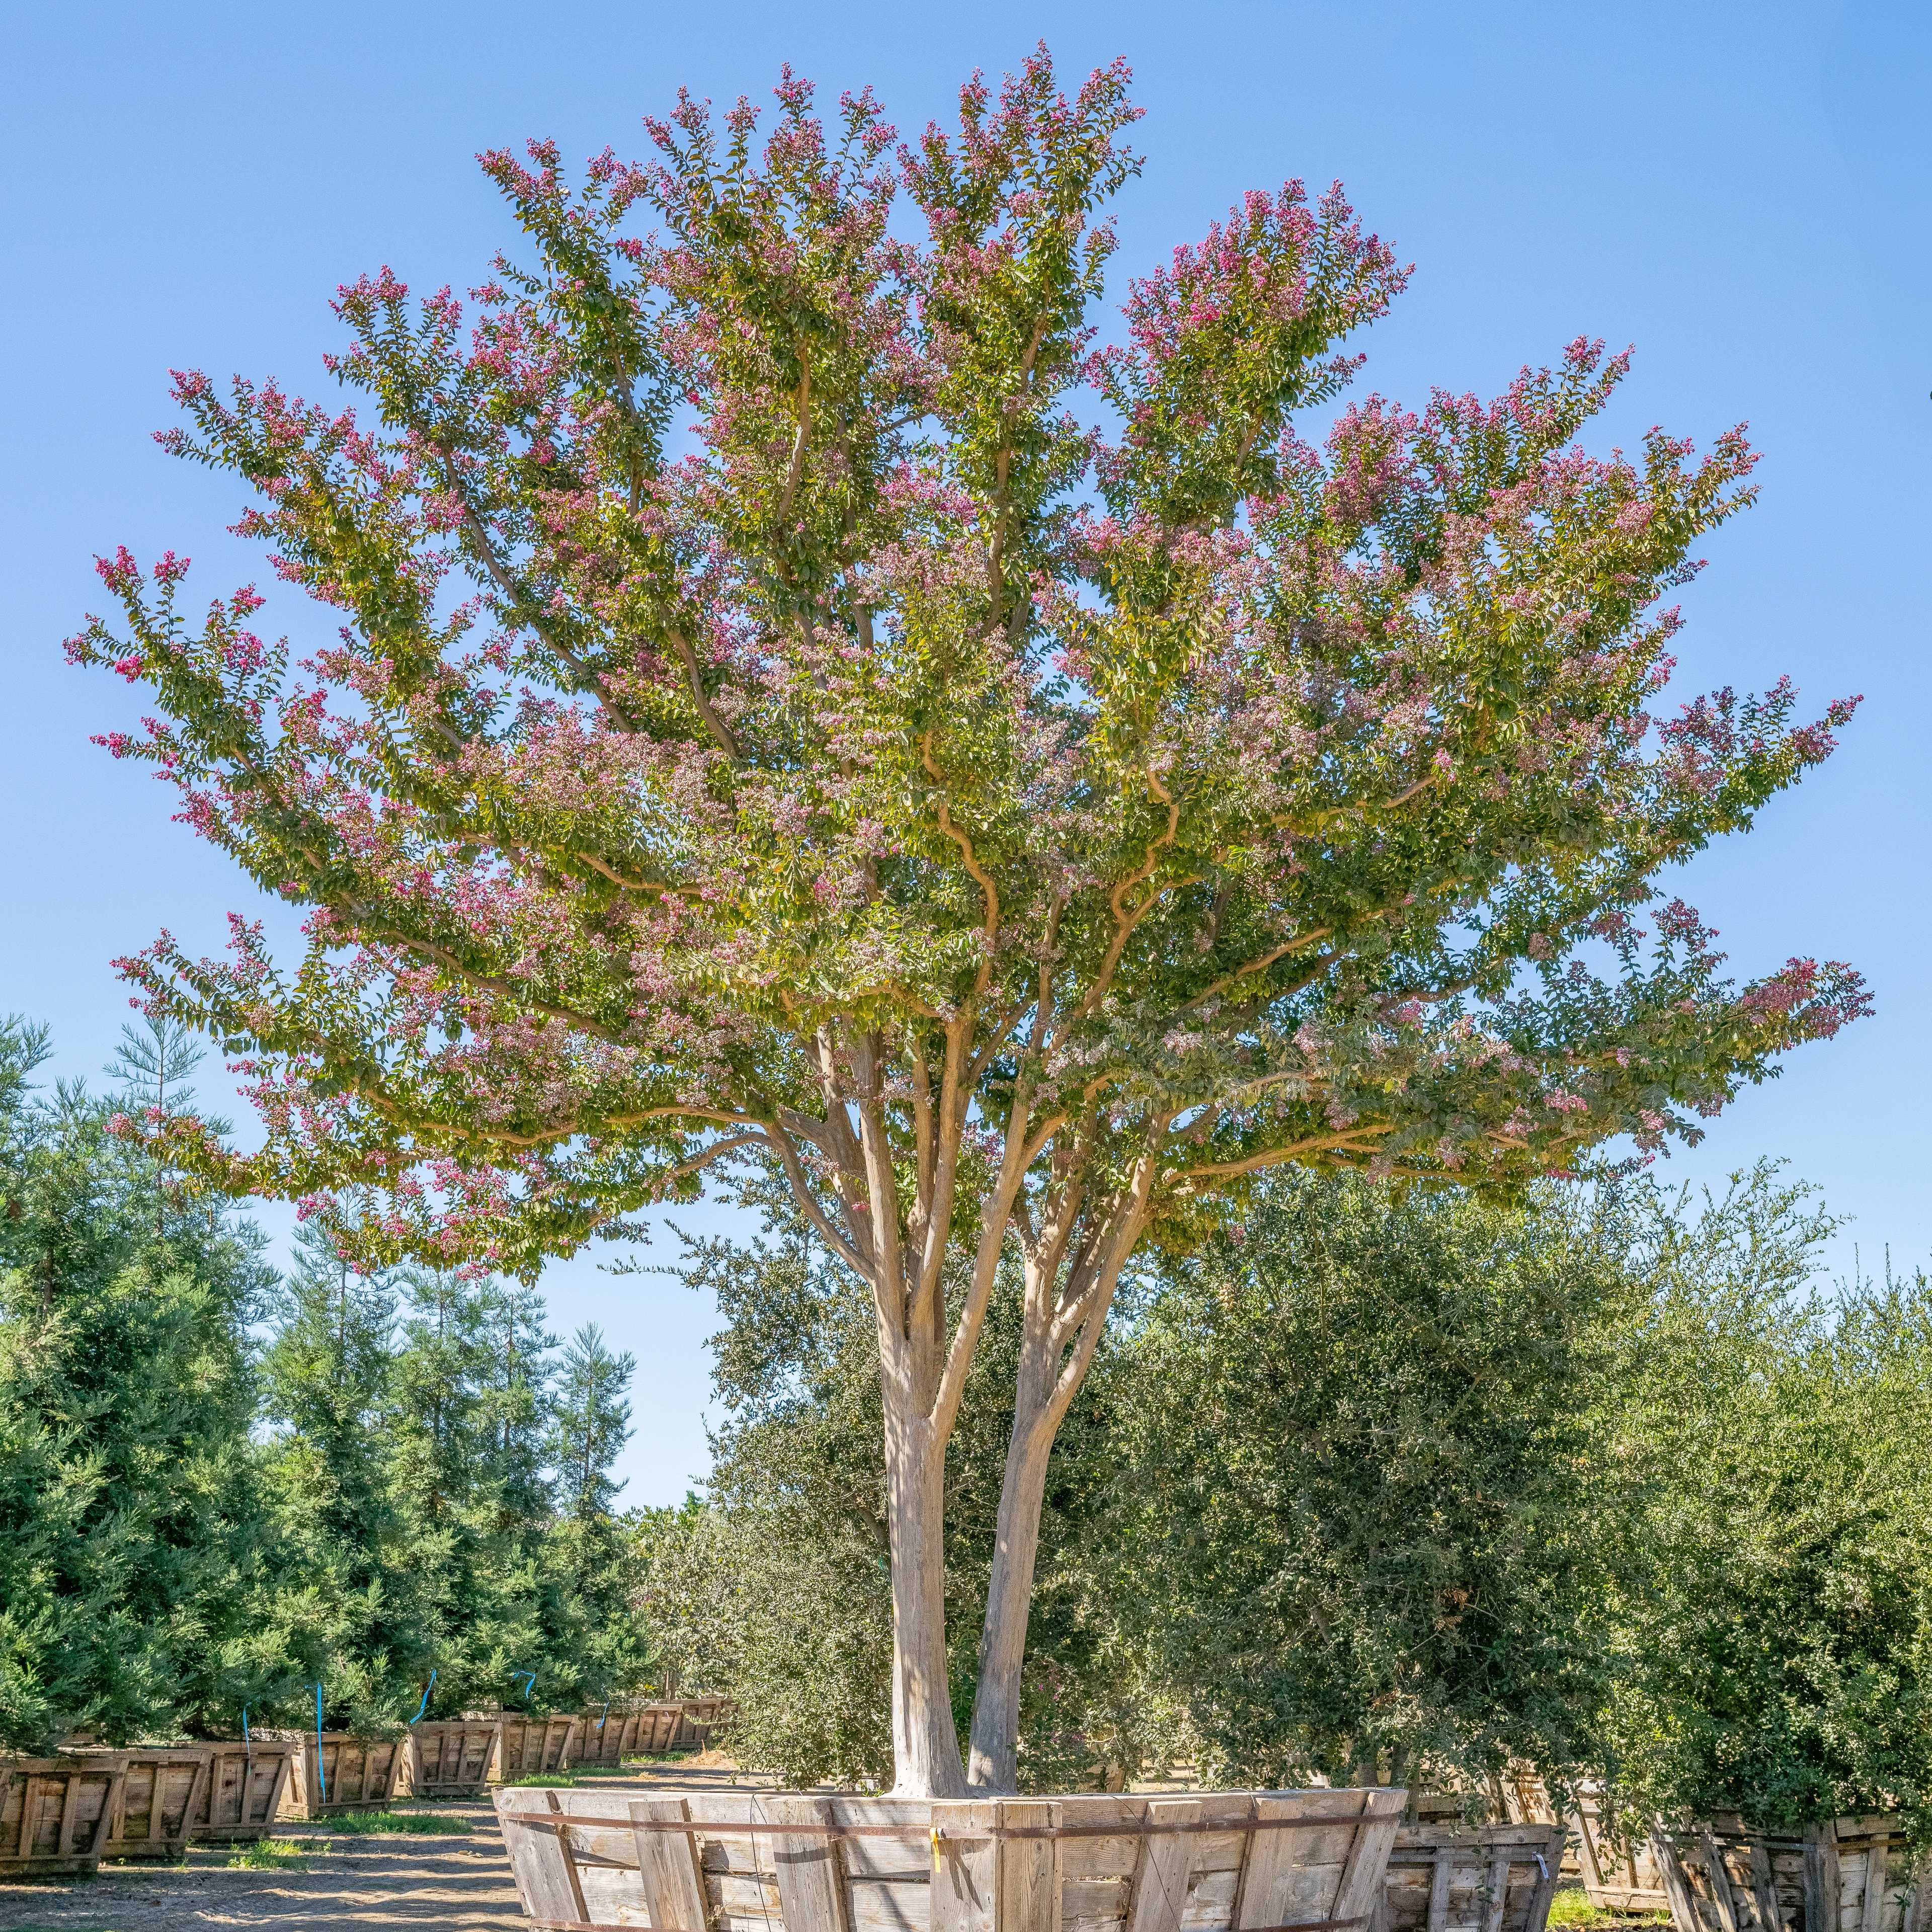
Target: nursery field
{"points": [[314, 1877]]}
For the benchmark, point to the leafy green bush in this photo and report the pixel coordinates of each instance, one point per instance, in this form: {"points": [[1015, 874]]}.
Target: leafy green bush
{"points": [[1774, 1625]]}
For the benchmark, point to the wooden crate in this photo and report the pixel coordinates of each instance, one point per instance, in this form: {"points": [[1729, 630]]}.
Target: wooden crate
{"points": [[1851, 1875], [699, 1718], [165, 1785], [340, 1772], [450, 1757], [600, 1737], [534, 1747], [55, 1812], [1462, 1878], [1619, 1870], [239, 1801], [656, 1729], [738, 1860]]}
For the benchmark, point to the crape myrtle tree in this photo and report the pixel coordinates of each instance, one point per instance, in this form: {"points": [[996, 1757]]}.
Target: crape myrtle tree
{"points": [[766, 717]]}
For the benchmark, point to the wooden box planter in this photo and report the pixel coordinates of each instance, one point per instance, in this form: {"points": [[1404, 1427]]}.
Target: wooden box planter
{"points": [[1853, 1875], [700, 1717], [165, 1787], [450, 1757], [340, 1772], [238, 1802], [1494, 1878], [55, 1812], [600, 1737], [534, 1747], [736, 1861], [1619, 1872], [656, 1729]]}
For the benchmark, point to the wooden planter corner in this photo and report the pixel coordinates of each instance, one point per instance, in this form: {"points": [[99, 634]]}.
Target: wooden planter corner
{"points": [[699, 1718], [450, 1757], [340, 1772], [733, 1861], [1493, 1878], [1850, 1875], [165, 1787], [55, 1813]]}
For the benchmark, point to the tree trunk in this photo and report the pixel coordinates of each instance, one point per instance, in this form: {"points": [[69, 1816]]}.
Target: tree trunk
{"points": [[993, 1766], [925, 1741]]}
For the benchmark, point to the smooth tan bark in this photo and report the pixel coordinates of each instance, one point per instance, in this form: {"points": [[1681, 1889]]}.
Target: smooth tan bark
{"points": [[925, 1741]]}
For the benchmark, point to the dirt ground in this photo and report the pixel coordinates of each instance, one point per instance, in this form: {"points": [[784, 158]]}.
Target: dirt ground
{"points": [[456, 1884]]}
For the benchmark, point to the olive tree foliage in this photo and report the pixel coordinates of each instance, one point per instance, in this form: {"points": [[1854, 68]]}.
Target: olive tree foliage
{"points": [[765, 718], [1773, 1633], [1361, 1473]]}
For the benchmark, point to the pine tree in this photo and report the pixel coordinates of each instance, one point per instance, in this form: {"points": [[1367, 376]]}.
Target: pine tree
{"points": [[589, 1424], [476, 1578], [136, 1565], [152, 1069], [327, 1375], [514, 1400]]}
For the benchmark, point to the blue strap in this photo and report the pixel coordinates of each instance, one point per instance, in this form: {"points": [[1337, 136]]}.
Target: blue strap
{"points": [[321, 1769], [424, 1705]]}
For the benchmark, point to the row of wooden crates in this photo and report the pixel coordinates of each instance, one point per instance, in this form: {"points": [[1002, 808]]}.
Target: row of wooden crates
{"points": [[1855, 1874], [63, 1814]]}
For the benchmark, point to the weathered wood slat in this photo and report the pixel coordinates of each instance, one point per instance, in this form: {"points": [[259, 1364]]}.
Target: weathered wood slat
{"points": [[810, 1886], [965, 1883], [1162, 1867], [545, 1872], [1470, 1879], [1838, 1877], [160, 1795], [673, 1880], [243, 1795], [339, 1772], [1028, 1899], [449, 1757]]}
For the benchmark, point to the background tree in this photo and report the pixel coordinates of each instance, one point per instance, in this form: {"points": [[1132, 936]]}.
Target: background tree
{"points": [[327, 1381], [1774, 1639], [473, 1585], [1360, 1464], [138, 1567], [590, 1422], [765, 718]]}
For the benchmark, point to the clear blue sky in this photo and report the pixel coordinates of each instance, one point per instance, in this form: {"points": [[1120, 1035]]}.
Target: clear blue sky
{"points": [[1743, 190]]}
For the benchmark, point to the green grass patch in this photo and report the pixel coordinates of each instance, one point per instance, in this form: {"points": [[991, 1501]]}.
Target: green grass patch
{"points": [[382, 1824], [550, 1780], [1571, 1911], [1571, 1907], [268, 1855]]}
